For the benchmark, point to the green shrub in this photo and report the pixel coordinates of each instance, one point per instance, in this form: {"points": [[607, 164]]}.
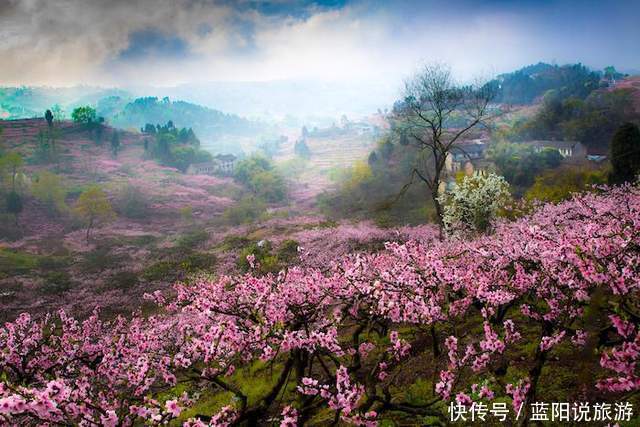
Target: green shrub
{"points": [[170, 270], [265, 259], [13, 262], [560, 184], [246, 210], [53, 262], [186, 214], [142, 240], [132, 203], [101, 258], [161, 270], [262, 252], [56, 282], [196, 262], [288, 252], [193, 239], [258, 173], [419, 392], [235, 242], [124, 280], [8, 228]]}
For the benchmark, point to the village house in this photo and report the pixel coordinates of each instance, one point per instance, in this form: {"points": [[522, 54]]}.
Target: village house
{"points": [[569, 150], [222, 164], [205, 168], [467, 156], [226, 163]]}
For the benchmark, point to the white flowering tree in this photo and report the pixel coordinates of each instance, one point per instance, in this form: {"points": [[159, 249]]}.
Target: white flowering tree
{"points": [[474, 203]]}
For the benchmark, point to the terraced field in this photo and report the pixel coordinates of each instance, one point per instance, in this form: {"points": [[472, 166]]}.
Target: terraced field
{"points": [[327, 154]]}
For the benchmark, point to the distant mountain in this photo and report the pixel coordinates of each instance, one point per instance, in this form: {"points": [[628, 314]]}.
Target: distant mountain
{"points": [[523, 86], [291, 102], [27, 102], [217, 130], [205, 121]]}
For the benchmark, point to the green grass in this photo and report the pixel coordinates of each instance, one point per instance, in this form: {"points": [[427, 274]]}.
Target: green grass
{"points": [[180, 265], [14, 262], [418, 393], [193, 239], [232, 242], [255, 381]]}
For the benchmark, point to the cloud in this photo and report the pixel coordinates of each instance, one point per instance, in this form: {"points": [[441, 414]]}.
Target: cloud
{"points": [[167, 42], [150, 43]]}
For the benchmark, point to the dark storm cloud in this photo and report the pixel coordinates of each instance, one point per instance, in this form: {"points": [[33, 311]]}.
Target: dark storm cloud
{"points": [[151, 42], [173, 41]]}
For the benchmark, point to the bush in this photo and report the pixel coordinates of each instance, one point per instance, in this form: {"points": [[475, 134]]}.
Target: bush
{"points": [[288, 252], [14, 263], [193, 239], [378, 191], [132, 203], [170, 270], [50, 190], [100, 259], [53, 262], [258, 173], [186, 214], [182, 157], [269, 186], [56, 282], [519, 164], [197, 261], [84, 115], [561, 184], [265, 260], [247, 209], [235, 242], [162, 270], [474, 203], [124, 280], [8, 228]]}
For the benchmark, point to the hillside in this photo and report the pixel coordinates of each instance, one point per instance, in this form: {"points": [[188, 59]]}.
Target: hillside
{"points": [[167, 224], [218, 131], [632, 84], [337, 150], [525, 85], [131, 243]]}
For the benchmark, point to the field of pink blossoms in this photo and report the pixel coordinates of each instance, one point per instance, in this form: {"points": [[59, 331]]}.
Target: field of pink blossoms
{"points": [[546, 308]]}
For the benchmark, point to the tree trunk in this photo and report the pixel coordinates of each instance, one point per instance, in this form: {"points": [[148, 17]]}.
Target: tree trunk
{"points": [[89, 228], [439, 211], [534, 375]]}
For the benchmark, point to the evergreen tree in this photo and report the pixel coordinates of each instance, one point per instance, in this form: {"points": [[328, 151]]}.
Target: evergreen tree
{"points": [[14, 204], [302, 149], [115, 143], [48, 115], [373, 158], [625, 154]]}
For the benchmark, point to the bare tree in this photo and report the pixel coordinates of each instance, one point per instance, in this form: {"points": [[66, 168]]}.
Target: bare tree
{"points": [[433, 115]]}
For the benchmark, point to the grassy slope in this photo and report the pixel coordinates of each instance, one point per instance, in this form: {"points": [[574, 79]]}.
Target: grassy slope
{"points": [[122, 245]]}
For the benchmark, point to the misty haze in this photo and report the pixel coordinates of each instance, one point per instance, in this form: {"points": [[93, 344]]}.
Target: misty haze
{"points": [[310, 213]]}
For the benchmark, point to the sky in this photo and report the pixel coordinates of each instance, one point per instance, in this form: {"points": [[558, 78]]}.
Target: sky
{"points": [[173, 42]]}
